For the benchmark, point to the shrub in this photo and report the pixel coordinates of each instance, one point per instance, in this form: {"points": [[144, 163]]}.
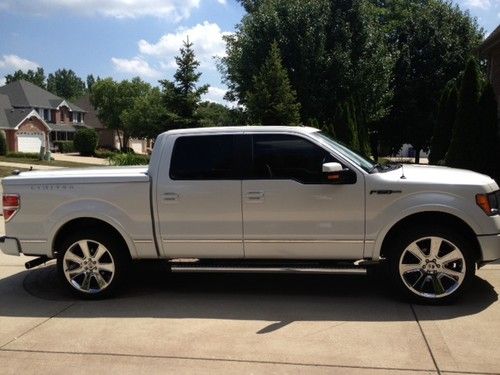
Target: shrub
{"points": [[3, 144], [65, 146], [104, 154], [86, 141], [128, 159], [23, 155]]}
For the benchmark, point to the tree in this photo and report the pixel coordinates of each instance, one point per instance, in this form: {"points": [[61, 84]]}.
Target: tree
{"points": [[90, 82], [147, 117], [432, 40], [112, 98], [463, 152], [215, 114], [182, 96], [272, 101], [488, 145], [3, 143], [332, 50], [443, 128], [66, 84], [345, 126], [36, 77]]}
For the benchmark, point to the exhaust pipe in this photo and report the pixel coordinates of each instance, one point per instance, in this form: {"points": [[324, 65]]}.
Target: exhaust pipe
{"points": [[36, 262]]}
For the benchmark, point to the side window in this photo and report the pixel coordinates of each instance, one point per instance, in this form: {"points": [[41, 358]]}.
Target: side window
{"points": [[207, 157], [282, 156]]}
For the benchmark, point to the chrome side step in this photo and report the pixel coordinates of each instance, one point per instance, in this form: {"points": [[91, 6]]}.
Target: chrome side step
{"points": [[296, 270]]}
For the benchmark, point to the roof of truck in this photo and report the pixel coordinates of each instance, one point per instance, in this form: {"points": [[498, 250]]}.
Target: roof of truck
{"points": [[249, 128]]}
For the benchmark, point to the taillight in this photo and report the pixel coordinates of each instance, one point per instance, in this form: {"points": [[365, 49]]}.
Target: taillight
{"points": [[11, 204], [488, 202]]}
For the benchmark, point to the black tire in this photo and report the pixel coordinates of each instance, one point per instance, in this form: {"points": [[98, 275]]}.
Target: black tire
{"points": [[116, 257], [429, 279]]}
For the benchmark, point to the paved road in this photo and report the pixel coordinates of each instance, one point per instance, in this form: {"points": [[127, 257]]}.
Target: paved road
{"points": [[241, 324]]}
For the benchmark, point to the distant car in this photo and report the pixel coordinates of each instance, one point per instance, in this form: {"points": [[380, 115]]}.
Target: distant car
{"points": [[257, 199]]}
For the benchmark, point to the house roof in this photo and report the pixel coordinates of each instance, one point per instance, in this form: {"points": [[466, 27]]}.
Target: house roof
{"points": [[25, 94], [11, 118], [91, 118], [4, 107], [66, 127], [492, 40]]}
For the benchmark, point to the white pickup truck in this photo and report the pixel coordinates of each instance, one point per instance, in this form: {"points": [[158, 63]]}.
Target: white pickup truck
{"points": [[257, 199]]}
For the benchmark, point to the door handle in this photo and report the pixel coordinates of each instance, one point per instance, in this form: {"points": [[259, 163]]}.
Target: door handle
{"points": [[254, 195], [170, 197]]}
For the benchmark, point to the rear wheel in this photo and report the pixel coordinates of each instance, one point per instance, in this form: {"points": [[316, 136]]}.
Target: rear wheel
{"points": [[92, 264], [431, 265]]}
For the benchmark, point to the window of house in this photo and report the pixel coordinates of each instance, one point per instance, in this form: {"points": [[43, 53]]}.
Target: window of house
{"points": [[62, 114], [46, 114], [287, 157], [210, 157]]}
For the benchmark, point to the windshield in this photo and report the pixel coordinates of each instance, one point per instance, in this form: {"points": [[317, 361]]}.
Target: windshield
{"points": [[360, 160]]}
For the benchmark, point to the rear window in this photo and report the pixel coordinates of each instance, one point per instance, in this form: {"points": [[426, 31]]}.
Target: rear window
{"points": [[206, 157]]}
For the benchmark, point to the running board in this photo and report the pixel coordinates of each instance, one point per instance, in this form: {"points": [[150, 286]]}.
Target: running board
{"points": [[243, 269]]}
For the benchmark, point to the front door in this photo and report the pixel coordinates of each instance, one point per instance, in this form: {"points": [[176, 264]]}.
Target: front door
{"points": [[289, 208], [199, 199]]}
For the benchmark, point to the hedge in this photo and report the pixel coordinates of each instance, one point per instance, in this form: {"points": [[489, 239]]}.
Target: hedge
{"points": [[86, 141], [65, 146]]}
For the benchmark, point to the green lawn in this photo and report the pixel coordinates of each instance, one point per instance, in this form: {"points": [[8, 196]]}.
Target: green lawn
{"points": [[7, 171], [54, 163]]}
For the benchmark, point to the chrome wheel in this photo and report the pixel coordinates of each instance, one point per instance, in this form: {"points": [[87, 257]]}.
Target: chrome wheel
{"points": [[88, 266], [432, 267]]}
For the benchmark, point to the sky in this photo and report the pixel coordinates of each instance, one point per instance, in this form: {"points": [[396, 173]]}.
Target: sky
{"points": [[127, 38]]}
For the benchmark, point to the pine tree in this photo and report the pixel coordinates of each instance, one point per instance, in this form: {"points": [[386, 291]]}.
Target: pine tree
{"points": [[444, 124], [182, 97], [272, 100], [345, 126], [361, 130], [463, 151], [488, 144], [3, 143]]}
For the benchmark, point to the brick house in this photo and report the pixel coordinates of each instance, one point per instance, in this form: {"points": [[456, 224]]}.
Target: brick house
{"points": [[490, 50], [108, 138], [32, 117]]}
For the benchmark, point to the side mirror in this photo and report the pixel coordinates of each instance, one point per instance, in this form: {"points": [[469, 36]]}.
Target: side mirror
{"points": [[336, 174], [332, 167]]}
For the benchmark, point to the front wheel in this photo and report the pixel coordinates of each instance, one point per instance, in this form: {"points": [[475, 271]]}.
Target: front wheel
{"points": [[431, 266], [91, 264]]}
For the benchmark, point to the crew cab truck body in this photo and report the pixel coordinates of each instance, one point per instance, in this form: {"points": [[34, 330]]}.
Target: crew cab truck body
{"points": [[257, 199]]}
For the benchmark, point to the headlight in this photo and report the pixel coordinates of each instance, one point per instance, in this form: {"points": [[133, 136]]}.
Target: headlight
{"points": [[489, 202]]}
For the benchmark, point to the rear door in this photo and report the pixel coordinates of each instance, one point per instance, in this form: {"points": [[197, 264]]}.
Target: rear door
{"points": [[199, 198]]}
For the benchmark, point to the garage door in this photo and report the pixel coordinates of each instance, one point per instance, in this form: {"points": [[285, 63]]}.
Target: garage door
{"points": [[29, 142]]}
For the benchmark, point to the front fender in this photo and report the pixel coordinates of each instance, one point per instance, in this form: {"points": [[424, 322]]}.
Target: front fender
{"points": [[379, 225]]}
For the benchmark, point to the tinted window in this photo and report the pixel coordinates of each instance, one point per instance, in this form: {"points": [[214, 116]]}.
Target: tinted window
{"points": [[280, 156], [210, 157]]}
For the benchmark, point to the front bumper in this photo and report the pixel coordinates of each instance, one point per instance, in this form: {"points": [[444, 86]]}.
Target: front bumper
{"points": [[490, 247], [10, 245]]}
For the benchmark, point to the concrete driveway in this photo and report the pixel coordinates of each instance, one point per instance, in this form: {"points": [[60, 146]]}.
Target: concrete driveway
{"points": [[211, 323]]}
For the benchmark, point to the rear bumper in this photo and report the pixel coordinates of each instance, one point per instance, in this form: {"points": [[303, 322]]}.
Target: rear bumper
{"points": [[10, 245], [490, 247]]}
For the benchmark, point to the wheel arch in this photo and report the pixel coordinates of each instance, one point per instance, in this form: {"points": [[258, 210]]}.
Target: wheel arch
{"points": [[80, 223], [424, 218]]}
